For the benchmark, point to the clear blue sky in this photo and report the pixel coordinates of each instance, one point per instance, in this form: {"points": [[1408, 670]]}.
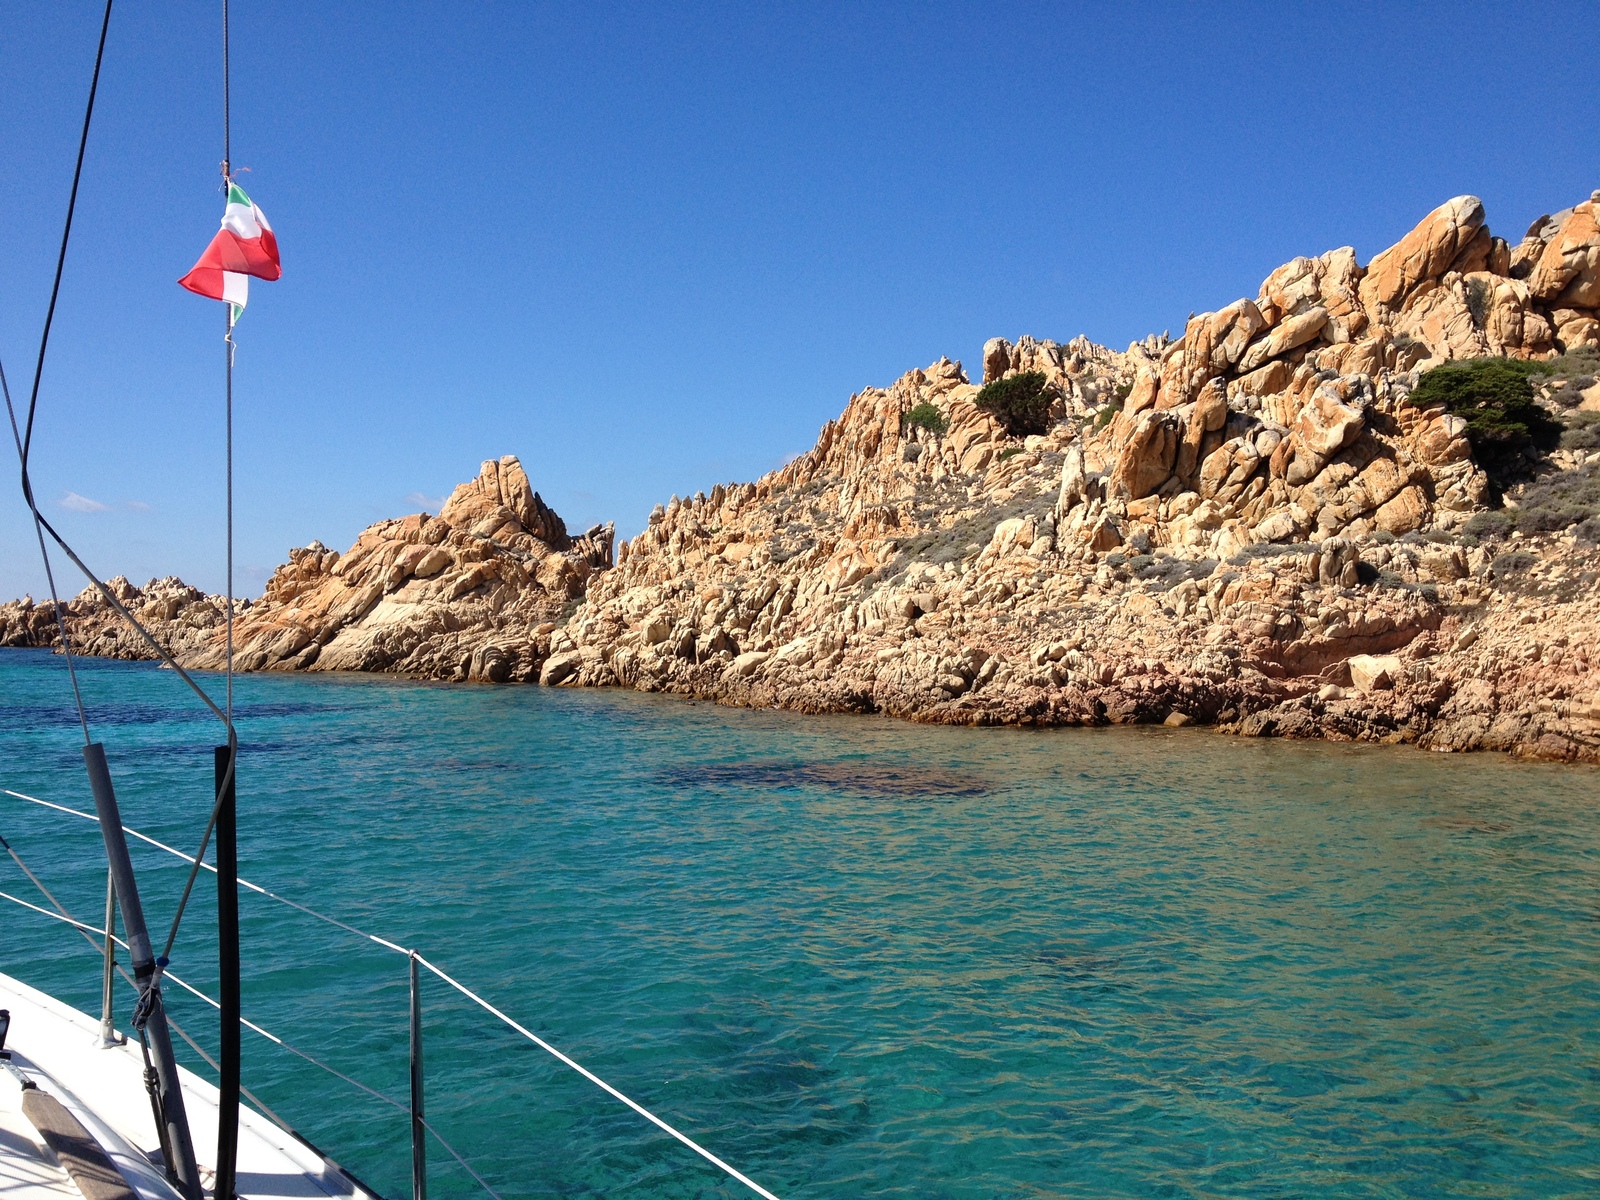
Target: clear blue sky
{"points": [[649, 248]]}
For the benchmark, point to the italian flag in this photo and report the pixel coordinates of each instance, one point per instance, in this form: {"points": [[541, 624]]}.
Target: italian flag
{"points": [[243, 247]]}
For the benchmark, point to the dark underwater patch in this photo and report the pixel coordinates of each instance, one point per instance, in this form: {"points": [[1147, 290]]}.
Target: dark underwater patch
{"points": [[866, 778]]}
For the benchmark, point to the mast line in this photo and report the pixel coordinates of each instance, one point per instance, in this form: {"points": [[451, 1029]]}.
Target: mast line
{"points": [[225, 810]]}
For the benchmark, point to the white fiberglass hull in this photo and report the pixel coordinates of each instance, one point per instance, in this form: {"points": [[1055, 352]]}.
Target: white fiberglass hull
{"points": [[59, 1047]]}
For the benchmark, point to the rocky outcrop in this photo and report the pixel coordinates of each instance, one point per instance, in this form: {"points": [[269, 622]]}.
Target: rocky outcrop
{"points": [[473, 593], [1252, 527]]}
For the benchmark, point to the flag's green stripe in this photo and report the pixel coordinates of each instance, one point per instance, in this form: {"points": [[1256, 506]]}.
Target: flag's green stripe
{"points": [[236, 195]]}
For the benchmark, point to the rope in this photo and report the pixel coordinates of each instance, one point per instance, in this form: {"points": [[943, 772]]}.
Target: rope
{"points": [[24, 453], [453, 982], [61, 257], [88, 930], [49, 572]]}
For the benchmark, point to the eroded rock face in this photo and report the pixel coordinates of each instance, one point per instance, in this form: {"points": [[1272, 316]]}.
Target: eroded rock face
{"points": [[473, 593], [1251, 527], [1446, 238], [1566, 273], [1247, 534]]}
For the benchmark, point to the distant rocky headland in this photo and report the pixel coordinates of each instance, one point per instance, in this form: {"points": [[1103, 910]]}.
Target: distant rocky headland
{"points": [[1363, 505]]}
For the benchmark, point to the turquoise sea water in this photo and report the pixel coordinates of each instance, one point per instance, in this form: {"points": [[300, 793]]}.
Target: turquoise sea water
{"points": [[857, 957]]}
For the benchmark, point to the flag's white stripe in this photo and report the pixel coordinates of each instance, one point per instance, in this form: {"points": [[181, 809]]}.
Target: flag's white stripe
{"points": [[235, 288], [240, 220]]}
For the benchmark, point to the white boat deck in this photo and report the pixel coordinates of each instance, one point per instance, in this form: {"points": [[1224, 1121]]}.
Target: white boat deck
{"points": [[59, 1048]]}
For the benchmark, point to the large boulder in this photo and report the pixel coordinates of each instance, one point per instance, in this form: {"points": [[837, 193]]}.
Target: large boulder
{"points": [[1324, 427], [1207, 417], [996, 359], [1424, 254], [1295, 332], [1375, 672], [500, 502], [1567, 272], [1146, 459], [1331, 281], [1213, 343]]}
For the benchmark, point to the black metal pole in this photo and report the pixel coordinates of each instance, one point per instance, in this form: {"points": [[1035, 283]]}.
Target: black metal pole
{"points": [[226, 766], [182, 1169], [419, 1133]]}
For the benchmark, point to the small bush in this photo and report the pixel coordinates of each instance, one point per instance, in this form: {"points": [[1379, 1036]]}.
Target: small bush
{"points": [[926, 416], [1589, 531], [1496, 524], [1478, 301], [1583, 431], [1109, 413], [1555, 503], [1581, 360], [1513, 561], [1020, 403], [1570, 394], [1008, 452], [1560, 501], [1506, 426], [1270, 550], [1170, 572]]}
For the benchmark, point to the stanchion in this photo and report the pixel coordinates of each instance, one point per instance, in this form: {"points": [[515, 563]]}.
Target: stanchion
{"points": [[419, 1146]]}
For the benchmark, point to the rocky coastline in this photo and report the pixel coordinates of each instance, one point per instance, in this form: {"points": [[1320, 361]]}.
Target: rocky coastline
{"points": [[1266, 526]]}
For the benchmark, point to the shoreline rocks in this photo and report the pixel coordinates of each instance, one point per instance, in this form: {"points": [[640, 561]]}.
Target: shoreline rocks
{"points": [[1252, 528]]}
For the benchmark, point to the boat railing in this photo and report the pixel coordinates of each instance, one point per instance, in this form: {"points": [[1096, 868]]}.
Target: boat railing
{"points": [[415, 1109]]}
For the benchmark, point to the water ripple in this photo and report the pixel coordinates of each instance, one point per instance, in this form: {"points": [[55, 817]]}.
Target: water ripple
{"points": [[863, 958]]}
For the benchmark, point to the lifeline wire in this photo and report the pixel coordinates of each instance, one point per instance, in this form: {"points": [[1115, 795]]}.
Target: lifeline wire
{"points": [[86, 930], [452, 981]]}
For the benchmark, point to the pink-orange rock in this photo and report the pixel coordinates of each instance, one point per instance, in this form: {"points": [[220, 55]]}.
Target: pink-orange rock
{"points": [[1331, 281], [1146, 458], [1567, 273], [1212, 344], [1293, 333], [1408, 510], [1424, 254]]}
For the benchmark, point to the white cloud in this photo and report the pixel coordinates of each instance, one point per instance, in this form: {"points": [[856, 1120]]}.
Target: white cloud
{"points": [[139, 506], [83, 504], [429, 503]]}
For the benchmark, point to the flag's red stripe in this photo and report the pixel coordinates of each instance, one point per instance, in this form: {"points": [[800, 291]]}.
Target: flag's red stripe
{"points": [[228, 252], [204, 281]]}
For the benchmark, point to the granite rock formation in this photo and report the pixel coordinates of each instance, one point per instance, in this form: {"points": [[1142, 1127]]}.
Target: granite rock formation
{"points": [[1252, 527], [470, 594]]}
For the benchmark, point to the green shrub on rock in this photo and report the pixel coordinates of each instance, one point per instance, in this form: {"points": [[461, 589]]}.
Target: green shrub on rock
{"points": [[1507, 428], [1020, 403], [926, 416]]}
